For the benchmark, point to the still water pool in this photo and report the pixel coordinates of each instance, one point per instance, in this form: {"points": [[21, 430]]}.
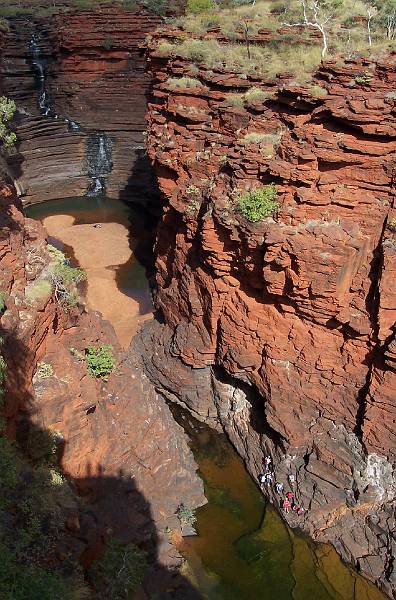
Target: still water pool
{"points": [[244, 550], [104, 237]]}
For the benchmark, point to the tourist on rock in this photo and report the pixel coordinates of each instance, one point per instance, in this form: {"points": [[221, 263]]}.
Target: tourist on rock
{"points": [[291, 478], [269, 477], [262, 479], [267, 461], [279, 487], [301, 510], [290, 496], [286, 505]]}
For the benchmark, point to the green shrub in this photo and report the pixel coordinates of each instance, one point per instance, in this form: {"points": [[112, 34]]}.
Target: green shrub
{"points": [[64, 279], [392, 225], [120, 571], [129, 5], [42, 445], [3, 297], [192, 190], [267, 142], [100, 360], [7, 111], [166, 48], [364, 78], [183, 83], [198, 6], [256, 94], [38, 290], [186, 515], [317, 91], [44, 370], [235, 100], [156, 6], [108, 42], [259, 204], [4, 26]]}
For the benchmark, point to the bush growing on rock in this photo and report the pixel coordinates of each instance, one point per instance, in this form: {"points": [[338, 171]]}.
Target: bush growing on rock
{"points": [[119, 572], [100, 360], [186, 515], [64, 278], [392, 225], [108, 42], [7, 112], [267, 142], [44, 370], [3, 296], [38, 290], [183, 82], [258, 204], [198, 6]]}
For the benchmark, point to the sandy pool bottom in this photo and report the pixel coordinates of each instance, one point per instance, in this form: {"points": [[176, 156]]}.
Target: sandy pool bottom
{"points": [[100, 251]]}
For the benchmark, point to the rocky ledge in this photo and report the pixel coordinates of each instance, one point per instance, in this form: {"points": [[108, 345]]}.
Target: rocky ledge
{"points": [[282, 332]]}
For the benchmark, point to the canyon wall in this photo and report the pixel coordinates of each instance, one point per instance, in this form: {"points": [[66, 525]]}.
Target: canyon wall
{"points": [[74, 77], [282, 332], [119, 445]]}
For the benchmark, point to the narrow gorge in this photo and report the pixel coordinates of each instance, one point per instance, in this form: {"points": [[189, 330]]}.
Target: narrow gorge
{"points": [[160, 339]]}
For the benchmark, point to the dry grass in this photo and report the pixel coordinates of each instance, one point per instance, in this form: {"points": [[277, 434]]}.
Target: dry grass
{"points": [[266, 142], [183, 83], [297, 54], [265, 61], [255, 94], [317, 91]]}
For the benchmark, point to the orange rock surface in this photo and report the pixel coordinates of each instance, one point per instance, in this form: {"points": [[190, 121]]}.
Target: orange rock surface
{"points": [[291, 320]]}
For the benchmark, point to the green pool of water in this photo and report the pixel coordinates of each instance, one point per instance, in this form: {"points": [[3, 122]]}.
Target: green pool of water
{"points": [[244, 550]]}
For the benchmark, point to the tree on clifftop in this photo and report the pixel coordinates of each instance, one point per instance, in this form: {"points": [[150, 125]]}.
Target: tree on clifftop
{"points": [[317, 14]]}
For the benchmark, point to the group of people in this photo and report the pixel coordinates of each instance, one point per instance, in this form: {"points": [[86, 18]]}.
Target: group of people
{"points": [[288, 502]]}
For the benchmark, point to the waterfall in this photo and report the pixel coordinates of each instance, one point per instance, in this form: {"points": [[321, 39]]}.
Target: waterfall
{"points": [[99, 158], [39, 65]]}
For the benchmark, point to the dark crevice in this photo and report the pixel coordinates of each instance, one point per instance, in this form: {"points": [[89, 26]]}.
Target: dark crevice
{"points": [[372, 307], [257, 402]]}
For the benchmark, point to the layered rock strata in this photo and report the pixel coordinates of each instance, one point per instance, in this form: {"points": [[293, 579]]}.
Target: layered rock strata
{"points": [[92, 70], [120, 445], [283, 331]]}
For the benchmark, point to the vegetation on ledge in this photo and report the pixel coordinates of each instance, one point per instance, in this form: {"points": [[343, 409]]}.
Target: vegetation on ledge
{"points": [[7, 112], [100, 360], [258, 204], [272, 37]]}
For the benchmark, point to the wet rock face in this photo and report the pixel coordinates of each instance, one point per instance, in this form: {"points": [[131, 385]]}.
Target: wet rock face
{"points": [[296, 312], [74, 77]]}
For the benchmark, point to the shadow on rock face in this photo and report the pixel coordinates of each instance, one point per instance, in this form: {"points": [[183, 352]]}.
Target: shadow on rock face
{"points": [[86, 529]]}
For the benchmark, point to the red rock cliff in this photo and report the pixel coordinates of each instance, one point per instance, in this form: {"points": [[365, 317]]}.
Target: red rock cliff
{"points": [[283, 331]]}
